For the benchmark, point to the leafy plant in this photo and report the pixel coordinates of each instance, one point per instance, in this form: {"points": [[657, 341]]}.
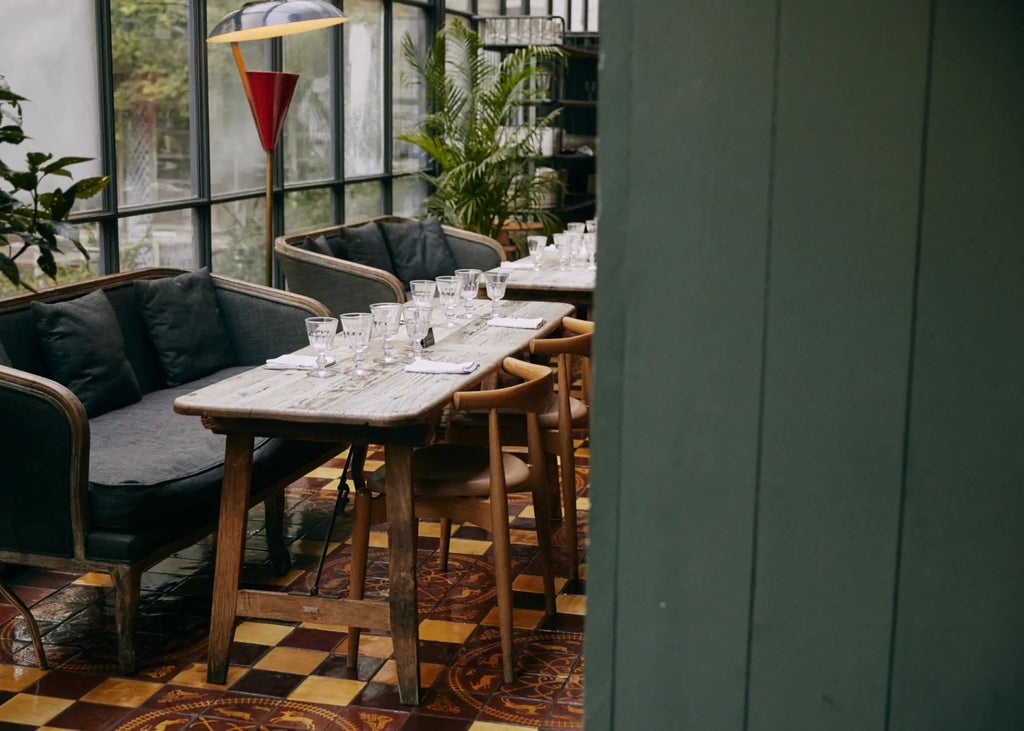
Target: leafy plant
{"points": [[29, 218], [483, 160]]}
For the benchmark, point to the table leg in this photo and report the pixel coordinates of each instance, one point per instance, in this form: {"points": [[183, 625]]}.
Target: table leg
{"points": [[402, 549], [230, 548]]}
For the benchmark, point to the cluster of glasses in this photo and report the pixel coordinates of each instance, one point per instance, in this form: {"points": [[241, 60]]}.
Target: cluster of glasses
{"points": [[522, 30], [576, 246]]}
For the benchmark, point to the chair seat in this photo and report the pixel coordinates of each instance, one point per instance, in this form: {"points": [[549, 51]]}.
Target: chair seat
{"points": [[455, 470], [578, 413]]}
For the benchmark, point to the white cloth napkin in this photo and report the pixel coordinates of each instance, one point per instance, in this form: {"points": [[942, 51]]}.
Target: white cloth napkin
{"points": [[525, 263], [291, 361], [526, 323], [421, 365]]}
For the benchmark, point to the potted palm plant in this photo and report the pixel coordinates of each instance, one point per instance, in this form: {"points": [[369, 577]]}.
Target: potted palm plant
{"points": [[32, 220], [484, 161]]}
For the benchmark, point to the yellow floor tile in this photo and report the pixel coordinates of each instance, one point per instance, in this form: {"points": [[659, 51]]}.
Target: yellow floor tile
{"points": [[430, 530], [312, 548], [521, 618], [195, 677], [523, 537], [526, 512], [330, 473], [488, 726], [441, 631], [125, 692], [571, 604], [388, 673], [369, 646], [291, 660], [94, 578], [330, 691], [582, 503], [535, 584], [325, 627], [269, 577], [16, 677], [261, 633], [32, 710], [473, 548]]}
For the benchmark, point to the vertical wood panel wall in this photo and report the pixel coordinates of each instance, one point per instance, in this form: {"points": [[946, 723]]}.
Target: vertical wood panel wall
{"points": [[808, 451]]}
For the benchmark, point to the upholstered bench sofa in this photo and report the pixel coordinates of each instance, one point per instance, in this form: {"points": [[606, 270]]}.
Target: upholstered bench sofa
{"points": [[97, 471], [349, 267]]}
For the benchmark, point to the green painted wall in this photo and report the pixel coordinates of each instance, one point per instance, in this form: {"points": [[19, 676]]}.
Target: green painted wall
{"points": [[808, 450]]}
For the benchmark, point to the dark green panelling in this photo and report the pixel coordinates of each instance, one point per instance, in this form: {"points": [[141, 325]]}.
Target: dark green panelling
{"points": [[690, 186], [959, 660], [847, 166]]}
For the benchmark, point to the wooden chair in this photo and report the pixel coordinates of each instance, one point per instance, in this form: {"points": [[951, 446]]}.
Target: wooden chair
{"points": [[471, 484], [559, 423]]}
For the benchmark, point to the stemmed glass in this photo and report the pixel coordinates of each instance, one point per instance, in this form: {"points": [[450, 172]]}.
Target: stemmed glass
{"points": [[387, 317], [449, 289], [495, 282], [470, 287], [590, 246], [535, 244], [563, 243], [357, 328], [417, 323], [423, 291], [321, 331]]}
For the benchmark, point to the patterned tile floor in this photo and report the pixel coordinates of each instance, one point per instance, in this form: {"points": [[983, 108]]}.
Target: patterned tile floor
{"points": [[293, 676]]}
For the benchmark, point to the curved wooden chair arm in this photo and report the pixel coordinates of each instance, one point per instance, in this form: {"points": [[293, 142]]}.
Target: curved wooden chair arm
{"points": [[578, 326], [573, 345], [532, 395]]}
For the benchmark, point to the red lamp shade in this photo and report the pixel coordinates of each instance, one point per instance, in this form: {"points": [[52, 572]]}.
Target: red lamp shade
{"points": [[271, 95]]}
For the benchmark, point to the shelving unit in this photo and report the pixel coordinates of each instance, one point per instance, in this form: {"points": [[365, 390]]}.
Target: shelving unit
{"points": [[573, 88]]}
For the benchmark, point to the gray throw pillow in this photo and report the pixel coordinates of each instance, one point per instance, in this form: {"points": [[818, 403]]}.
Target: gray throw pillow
{"points": [[316, 246], [4, 358], [419, 249], [185, 325], [363, 244], [83, 346]]}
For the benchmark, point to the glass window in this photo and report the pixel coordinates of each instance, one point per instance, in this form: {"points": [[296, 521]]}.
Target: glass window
{"points": [[576, 16], [488, 7], [408, 194], [150, 48], [462, 5], [62, 114], [238, 239], [72, 266], [561, 9], [592, 15], [308, 128], [364, 88], [363, 200], [307, 209], [409, 96], [157, 239], [237, 160], [539, 7]]}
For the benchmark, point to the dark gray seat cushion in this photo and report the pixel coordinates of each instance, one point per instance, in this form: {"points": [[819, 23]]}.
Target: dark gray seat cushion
{"points": [[84, 349], [150, 468], [419, 249], [316, 246], [4, 359], [363, 244]]}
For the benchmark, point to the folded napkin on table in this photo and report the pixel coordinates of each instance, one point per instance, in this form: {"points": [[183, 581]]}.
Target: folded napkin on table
{"points": [[527, 323], [421, 365], [291, 361], [525, 263]]}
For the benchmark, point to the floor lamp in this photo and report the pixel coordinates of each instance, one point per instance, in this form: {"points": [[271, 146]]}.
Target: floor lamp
{"points": [[270, 92]]}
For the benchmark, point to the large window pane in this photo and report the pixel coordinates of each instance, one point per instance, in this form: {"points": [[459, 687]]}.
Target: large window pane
{"points": [[308, 142], [488, 7], [62, 114], [363, 200], [72, 266], [576, 16], [151, 100], [157, 239], [408, 194], [592, 15], [364, 88], [238, 239], [307, 209], [409, 95], [237, 160], [463, 5]]}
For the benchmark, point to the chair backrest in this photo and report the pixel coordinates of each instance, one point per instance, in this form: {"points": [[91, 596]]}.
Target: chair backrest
{"points": [[576, 345], [531, 397]]}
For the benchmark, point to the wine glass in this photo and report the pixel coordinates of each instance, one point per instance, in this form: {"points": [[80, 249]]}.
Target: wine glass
{"points": [[387, 317], [423, 291], [470, 287], [357, 328], [417, 323], [321, 331], [590, 246], [495, 282], [449, 289], [535, 244], [563, 243]]}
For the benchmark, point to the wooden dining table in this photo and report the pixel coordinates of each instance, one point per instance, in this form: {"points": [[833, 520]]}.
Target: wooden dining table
{"points": [[573, 285], [388, 406]]}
